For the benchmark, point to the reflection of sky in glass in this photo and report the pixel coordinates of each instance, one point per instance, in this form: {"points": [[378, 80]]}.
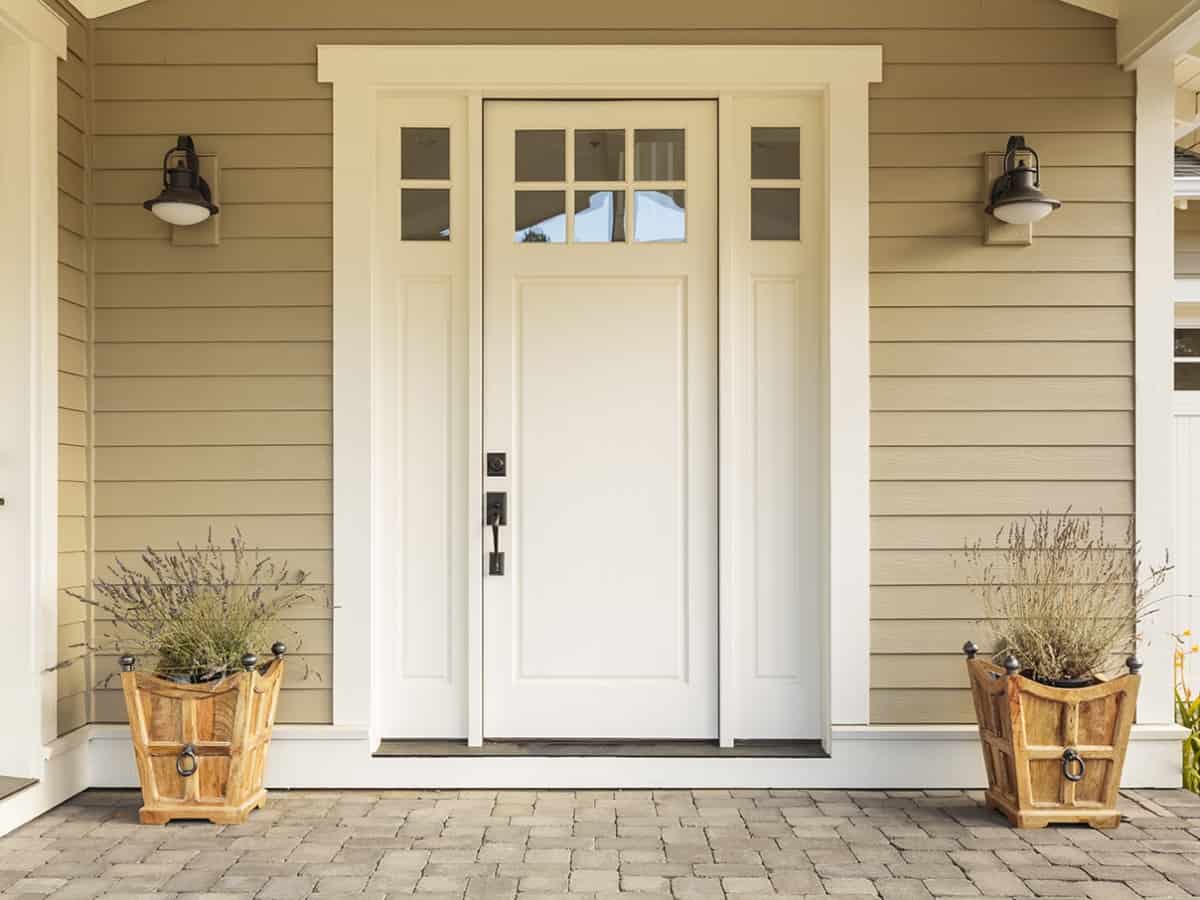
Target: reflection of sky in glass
{"points": [[595, 224], [547, 231], [658, 217]]}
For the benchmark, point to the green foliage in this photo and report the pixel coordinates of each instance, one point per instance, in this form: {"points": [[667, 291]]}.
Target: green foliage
{"points": [[199, 610], [1187, 713]]}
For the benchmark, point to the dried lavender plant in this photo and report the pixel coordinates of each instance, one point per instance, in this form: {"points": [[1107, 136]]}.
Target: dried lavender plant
{"points": [[198, 610], [1060, 596]]}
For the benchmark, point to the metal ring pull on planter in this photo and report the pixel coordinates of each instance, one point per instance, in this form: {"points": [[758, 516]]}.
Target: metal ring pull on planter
{"points": [[1071, 758], [188, 752]]}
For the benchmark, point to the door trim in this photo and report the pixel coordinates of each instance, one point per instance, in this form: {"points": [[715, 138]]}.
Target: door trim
{"points": [[363, 534]]}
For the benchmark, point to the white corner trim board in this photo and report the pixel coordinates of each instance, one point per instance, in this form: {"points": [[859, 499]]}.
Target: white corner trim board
{"points": [[365, 526]]}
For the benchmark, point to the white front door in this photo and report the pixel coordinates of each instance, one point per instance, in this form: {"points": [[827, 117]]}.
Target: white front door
{"points": [[600, 386]]}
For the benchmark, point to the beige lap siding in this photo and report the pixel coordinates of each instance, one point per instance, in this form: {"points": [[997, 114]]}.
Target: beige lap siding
{"points": [[74, 327], [1002, 376]]}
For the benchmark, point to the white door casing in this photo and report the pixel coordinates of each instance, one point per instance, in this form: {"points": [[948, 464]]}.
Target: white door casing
{"points": [[365, 526], [600, 385]]}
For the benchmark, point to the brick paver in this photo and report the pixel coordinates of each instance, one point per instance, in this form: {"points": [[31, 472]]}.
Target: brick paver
{"points": [[602, 845]]}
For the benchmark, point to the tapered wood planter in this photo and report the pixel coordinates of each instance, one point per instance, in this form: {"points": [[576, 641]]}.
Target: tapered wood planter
{"points": [[1052, 754], [202, 748]]}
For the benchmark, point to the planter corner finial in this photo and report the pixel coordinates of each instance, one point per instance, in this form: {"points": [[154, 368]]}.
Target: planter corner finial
{"points": [[1134, 664], [970, 649], [279, 648], [1011, 665], [127, 663], [249, 661]]}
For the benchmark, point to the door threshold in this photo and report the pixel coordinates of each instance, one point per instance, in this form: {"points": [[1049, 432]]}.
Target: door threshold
{"points": [[806, 749]]}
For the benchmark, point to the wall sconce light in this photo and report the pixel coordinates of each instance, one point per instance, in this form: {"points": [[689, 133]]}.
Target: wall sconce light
{"points": [[1016, 196], [186, 198]]}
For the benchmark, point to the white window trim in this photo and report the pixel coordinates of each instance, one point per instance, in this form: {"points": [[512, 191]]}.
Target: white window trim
{"points": [[360, 73]]}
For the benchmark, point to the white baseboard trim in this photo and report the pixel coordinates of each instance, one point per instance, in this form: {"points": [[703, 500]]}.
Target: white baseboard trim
{"points": [[327, 756], [65, 772]]}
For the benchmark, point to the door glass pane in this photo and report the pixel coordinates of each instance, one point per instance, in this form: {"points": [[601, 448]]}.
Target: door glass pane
{"points": [[541, 217], [775, 214], [600, 155], [774, 152], [1187, 376], [599, 216], [1187, 341], [659, 216], [658, 154], [541, 155], [425, 154], [425, 214]]}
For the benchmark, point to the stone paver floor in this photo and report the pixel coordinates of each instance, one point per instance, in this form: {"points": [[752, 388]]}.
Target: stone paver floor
{"points": [[601, 845]]}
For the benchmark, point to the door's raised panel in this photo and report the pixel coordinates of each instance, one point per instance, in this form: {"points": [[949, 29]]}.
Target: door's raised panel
{"points": [[600, 387]]}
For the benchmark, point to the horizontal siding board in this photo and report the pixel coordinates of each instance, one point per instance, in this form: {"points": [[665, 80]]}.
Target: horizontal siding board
{"points": [[1001, 463], [966, 150], [1011, 324], [279, 82], [72, 285], [925, 116], [198, 429], [72, 498], [213, 498], [238, 220], [952, 533], [1043, 289], [132, 186], [190, 325], [1012, 358], [160, 44], [927, 601], [72, 391], [72, 214], [236, 151], [314, 392], [1046, 254], [1001, 393], [72, 463], [932, 14], [245, 255], [999, 498], [265, 463], [1005, 81], [1084, 185], [243, 358], [72, 427], [967, 219], [930, 707], [214, 289], [127, 533], [216, 116], [72, 320], [1001, 429]]}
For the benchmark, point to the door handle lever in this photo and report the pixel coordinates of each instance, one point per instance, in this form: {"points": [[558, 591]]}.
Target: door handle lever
{"points": [[497, 515]]}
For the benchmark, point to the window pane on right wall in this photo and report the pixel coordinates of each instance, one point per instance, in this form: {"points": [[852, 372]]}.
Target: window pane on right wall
{"points": [[775, 184]]}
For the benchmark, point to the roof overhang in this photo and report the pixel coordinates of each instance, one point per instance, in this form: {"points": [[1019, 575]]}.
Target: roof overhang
{"points": [[1108, 8]]}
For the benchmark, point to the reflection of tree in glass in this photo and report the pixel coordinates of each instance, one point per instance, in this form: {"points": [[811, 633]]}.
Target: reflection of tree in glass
{"points": [[535, 236]]}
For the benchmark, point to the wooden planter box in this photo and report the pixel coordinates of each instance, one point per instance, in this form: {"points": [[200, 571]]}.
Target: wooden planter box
{"points": [[1052, 754], [202, 748]]}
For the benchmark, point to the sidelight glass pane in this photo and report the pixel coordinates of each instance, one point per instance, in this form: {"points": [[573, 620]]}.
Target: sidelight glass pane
{"points": [[1187, 342], [600, 155], [541, 155], [774, 152], [541, 217], [425, 154], [425, 214], [1187, 376], [659, 216], [775, 214], [658, 154], [599, 217]]}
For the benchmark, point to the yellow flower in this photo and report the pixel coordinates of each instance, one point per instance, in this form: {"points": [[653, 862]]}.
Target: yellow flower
{"points": [[1187, 632], [1195, 648]]}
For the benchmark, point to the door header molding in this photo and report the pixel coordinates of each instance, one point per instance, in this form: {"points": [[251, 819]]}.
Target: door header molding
{"points": [[363, 521], [599, 70]]}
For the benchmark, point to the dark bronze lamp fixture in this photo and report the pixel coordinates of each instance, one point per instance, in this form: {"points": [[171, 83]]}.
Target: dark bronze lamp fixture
{"points": [[186, 198], [1016, 195]]}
